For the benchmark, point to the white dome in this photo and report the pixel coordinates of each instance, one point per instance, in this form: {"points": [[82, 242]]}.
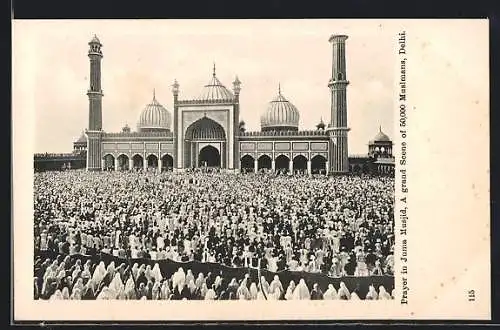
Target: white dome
{"points": [[281, 114], [154, 117], [215, 91]]}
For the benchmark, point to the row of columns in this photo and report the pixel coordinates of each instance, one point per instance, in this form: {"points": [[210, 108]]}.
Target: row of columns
{"points": [[290, 166], [131, 163]]}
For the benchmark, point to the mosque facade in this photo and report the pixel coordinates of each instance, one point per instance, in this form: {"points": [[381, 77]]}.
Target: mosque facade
{"points": [[206, 131]]}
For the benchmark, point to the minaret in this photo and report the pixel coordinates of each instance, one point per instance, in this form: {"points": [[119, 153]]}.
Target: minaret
{"points": [[338, 158], [177, 135], [94, 131], [236, 123]]}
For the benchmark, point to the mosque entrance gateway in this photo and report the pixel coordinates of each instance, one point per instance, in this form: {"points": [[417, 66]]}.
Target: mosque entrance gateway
{"points": [[209, 157], [205, 144]]}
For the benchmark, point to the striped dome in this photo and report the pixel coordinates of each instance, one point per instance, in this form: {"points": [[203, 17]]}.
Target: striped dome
{"points": [[215, 91], [281, 115], [154, 117]]}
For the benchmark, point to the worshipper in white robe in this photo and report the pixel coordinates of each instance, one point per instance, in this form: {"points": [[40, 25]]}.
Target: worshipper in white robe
{"points": [[217, 282], [203, 290], [191, 286], [354, 296], [253, 291], [372, 293], [116, 286], [343, 293], [178, 277], [156, 273], [165, 291], [330, 293], [393, 293], [65, 293], [57, 295], [148, 272], [199, 280], [289, 290], [189, 276], [111, 268], [155, 291], [129, 290], [276, 287], [243, 290], [78, 285], [301, 292], [210, 295], [86, 271], [75, 272], [383, 294], [76, 295], [135, 270], [99, 273]]}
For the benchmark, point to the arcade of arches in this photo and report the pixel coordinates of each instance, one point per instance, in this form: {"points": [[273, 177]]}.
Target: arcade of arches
{"points": [[125, 163], [282, 163]]}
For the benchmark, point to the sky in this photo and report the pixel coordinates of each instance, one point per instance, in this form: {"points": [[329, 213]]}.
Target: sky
{"points": [[142, 55]]}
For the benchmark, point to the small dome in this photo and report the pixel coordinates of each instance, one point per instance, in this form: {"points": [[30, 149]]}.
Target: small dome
{"points": [[381, 137], [95, 40], [82, 138], [215, 91], [154, 117], [280, 115]]}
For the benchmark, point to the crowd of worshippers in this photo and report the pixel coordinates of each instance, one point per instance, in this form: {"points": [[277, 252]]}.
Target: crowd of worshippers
{"points": [[339, 225], [63, 279]]}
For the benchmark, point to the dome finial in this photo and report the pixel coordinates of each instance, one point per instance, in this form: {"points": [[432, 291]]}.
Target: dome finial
{"points": [[154, 94], [279, 88], [380, 128], [214, 70]]}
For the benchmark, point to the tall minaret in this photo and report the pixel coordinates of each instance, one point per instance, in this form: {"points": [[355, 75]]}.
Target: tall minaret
{"points": [[236, 123], [338, 158], [94, 131]]}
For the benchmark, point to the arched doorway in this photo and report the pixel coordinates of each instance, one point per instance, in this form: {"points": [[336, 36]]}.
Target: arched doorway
{"points": [[109, 162], [152, 161], [167, 162], [123, 162], [318, 165], [202, 131], [138, 161], [264, 161], [300, 164], [209, 157], [247, 163], [282, 163]]}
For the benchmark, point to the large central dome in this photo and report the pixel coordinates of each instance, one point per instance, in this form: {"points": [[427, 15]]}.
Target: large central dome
{"points": [[215, 91], [154, 118], [281, 115]]}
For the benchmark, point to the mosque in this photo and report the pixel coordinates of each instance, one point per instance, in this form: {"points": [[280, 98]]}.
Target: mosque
{"points": [[206, 131]]}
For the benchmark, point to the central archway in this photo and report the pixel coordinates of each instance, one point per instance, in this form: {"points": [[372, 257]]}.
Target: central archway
{"points": [[196, 153], [209, 156]]}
